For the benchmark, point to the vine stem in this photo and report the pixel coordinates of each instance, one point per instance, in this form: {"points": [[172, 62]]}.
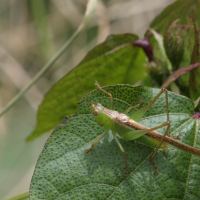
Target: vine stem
{"points": [[91, 7]]}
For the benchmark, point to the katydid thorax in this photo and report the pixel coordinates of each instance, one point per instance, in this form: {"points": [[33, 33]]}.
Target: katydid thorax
{"points": [[128, 128]]}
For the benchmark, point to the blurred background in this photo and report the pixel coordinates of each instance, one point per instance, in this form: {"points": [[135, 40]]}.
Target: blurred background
{"points": [[31, 31]]}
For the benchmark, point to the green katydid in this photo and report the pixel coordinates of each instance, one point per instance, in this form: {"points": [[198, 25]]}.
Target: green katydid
{"points": [[128, 128]]}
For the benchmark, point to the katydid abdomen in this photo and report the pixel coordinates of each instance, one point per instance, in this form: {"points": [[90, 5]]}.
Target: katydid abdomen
{"points": [[153, 139]]}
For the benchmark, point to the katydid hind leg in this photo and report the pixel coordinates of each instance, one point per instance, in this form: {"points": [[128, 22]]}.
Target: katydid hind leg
{"points": [[123, 151], [131, 135], [137, 116], [151, 159]]}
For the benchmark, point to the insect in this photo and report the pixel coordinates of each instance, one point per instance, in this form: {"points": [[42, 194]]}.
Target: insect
{"points": [[128, 128]]}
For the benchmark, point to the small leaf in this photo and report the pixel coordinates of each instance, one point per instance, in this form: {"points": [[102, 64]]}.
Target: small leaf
{"points": [[114, 61], [65, 171]]}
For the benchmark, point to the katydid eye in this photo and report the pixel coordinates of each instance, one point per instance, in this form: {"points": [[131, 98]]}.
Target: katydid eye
{"points": [[95, 112]]}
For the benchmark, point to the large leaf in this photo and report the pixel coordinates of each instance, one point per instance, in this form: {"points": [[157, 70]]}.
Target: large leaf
{"points": [[114, 61], [65, 171]]}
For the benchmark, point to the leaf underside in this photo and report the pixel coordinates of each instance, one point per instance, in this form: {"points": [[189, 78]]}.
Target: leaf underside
{"points": [[65, 171]]}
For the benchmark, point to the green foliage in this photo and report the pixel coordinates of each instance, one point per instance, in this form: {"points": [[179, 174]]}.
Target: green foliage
{"points": [[65, 171], [180, 43], [114, 61]]}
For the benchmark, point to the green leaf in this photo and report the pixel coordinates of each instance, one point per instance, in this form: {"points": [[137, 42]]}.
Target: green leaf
{"points": [[65, 171], [184, 31], [114, 61]]}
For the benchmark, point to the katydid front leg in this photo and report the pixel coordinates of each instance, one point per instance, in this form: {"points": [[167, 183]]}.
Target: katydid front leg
{"points": [[151, 159], [97, 140], [117, 141]]}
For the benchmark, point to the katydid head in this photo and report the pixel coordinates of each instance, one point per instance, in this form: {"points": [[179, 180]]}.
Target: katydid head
{"points": [[100, 115], [96, 108]]}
